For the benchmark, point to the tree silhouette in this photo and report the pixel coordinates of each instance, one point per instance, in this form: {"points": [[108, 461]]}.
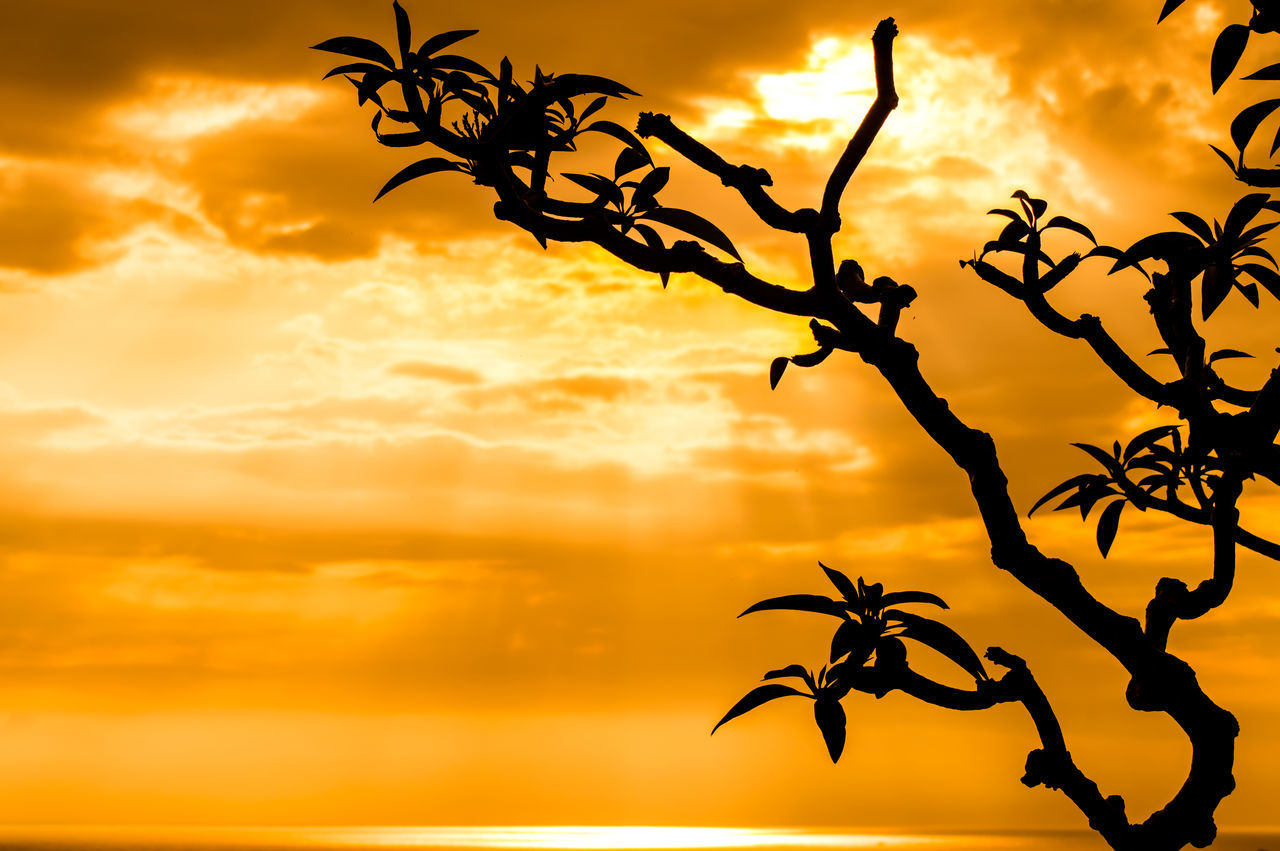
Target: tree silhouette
{"points": [[503, 134]]}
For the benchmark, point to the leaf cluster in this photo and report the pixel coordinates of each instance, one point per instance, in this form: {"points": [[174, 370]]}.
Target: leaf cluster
{"points": [[1228, 49], [868, 640], [1219, 254], [492, 124], [1150, 471], [1023, 236]]}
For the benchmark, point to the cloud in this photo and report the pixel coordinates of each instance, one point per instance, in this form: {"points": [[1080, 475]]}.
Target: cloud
{"points": [[434, 372], [47, 219]]}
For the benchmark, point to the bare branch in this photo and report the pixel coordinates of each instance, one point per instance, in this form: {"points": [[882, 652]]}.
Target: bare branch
{"points": [[748, 181], [1087, 327], [886, 101], [1051, 765]]}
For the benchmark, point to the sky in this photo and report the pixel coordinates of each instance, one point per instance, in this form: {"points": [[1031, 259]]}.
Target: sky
{"points": [[320, 511]]}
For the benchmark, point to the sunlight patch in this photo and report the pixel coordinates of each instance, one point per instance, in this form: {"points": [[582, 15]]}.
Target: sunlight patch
{"points": [[958, 134], [180, 108]]}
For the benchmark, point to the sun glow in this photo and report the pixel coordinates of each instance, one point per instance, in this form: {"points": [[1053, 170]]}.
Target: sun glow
{"points": [[612, 837], [960, 131]]}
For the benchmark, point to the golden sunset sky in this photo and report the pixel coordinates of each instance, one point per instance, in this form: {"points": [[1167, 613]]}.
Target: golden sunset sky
{"points": [[316, 511]]}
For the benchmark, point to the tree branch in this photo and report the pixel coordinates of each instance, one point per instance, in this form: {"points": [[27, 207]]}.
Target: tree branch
{"points": [[1261, 178], [748, 181], [1192, 514], [1050, 765], [886, 101], [682, 256], [1173, 601], [1087, 327]]}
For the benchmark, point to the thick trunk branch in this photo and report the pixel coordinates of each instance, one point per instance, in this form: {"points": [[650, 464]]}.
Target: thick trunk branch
{"points": [[1173, 601]]}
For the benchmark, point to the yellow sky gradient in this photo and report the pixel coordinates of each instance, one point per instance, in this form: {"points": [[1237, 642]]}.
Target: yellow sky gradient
{"points": [[321, 512]]}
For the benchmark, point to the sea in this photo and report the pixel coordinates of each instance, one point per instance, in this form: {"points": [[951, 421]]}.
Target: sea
{"points": [[565, 838]]}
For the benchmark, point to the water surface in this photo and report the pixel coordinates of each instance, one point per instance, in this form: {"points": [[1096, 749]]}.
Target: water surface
{"points": [[566, 838]]}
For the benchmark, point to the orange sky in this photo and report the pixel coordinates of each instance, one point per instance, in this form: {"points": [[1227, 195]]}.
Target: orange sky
{"points": [[318, 511]]}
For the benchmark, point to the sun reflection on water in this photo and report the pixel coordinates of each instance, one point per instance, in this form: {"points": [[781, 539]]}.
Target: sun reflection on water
{"points": [[612, 837]]}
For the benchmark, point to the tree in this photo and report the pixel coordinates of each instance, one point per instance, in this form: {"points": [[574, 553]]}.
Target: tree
{"points": [[503, 133]]}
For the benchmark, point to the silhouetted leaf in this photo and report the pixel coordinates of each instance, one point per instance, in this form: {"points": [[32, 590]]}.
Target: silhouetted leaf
{"points": [[628, 160], [1014, 231], [1223, 354], [789, 671], [356, 68], [851, 636], [757, 696], [604, 188], [401, 140], [593, 107], [1069, 484], [1169, 246], [477, 102], [1100, 455], [404, 37], [1243, 212], [1122, 259], [1244, 125], [448, 61], [1196, 225], [812, 358], [1169, 6], [800, 603], [1215, 286], [1005, 212], [361, 48], [651, 237], [842, 583], [367, 90], [1270, 72], [506, 87], [829, 714], [1227, 51], [432, 165], [1071, 224], [1034, 206], [646, 192], [898, 598], [940, 637], [443, 40], [1145, 440], [572, 85], [1087, 497], [891, 654], [776, 369], [1226, 159], [1250, 292], [695, 225], [1253, 235], [1160, 352], [1016, 248], [620, 133], [1267, 277], [1108, 523]]}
